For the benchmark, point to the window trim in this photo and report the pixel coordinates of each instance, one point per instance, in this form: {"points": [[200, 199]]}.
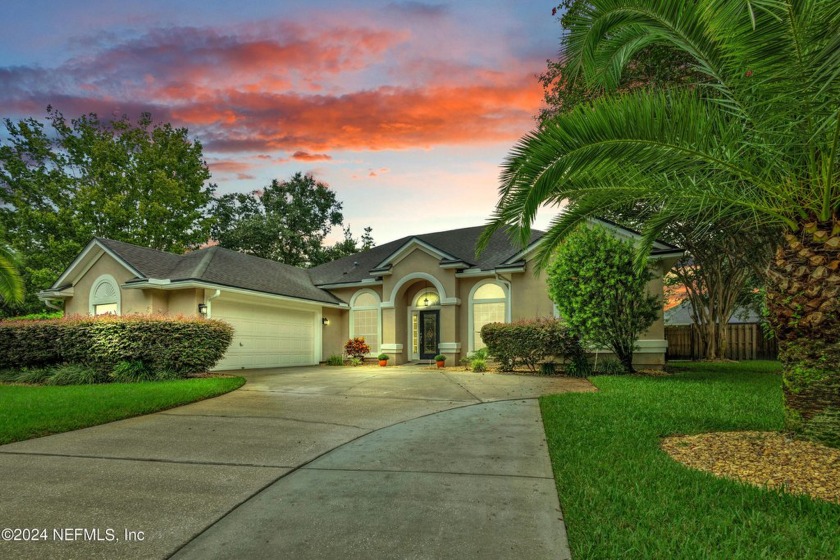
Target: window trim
{"points": [[377, 307], [471, 301], [93, 301]]}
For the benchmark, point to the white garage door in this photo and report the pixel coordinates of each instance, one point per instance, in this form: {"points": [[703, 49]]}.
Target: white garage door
{"points": [[266, 336]]}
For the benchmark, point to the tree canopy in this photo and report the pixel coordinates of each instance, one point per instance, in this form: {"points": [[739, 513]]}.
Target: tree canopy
{"points": [[287, 221], [754, 144], [140, 182]]}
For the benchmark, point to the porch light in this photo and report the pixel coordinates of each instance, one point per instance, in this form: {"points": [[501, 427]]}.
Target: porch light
{"points": [[426, 301], [202, 308], [325, 321]]}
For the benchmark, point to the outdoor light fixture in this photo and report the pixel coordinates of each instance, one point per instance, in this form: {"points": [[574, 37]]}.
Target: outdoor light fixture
{"points": [[325, 321], [426, 301], [202, 308]]}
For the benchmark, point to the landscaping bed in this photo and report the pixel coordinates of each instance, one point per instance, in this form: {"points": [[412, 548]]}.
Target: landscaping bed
{"points": [[30, 411], [623, 497]]}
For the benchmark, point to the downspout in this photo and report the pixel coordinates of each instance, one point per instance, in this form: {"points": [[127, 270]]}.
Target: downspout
{"points": [[209, 305], [49, 303]]}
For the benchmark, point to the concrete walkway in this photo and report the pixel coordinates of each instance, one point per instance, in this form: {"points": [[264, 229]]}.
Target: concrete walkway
{"points": [[302, 463]]}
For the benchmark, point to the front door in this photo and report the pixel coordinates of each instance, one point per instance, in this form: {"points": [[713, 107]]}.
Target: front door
{"points": [[429, 334]]}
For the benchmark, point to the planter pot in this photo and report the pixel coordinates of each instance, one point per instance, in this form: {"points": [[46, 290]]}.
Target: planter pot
{"points": [[440, 364], [383, 363]]}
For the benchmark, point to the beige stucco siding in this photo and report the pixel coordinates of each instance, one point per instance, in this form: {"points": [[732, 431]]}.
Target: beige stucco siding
{"points": [[336, 333], [185, 302], [131, 301]]}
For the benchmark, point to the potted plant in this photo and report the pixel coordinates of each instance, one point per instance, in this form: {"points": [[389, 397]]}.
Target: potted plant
{"points": [[383, 359], [440, 360]]}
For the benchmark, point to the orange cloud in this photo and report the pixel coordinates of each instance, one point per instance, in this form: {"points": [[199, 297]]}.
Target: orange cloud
{"points": [[305, 156]]}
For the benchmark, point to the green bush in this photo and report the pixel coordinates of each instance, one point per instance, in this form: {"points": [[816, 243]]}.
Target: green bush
{"points": [[383, 356], [610, 366], [356, 361], [161, 343], [335, 360], [74, 374], [33, 375], [168, 375], [132, 372], [548, 368], [42, 316], [578, 366], [440, 358], [478, 365], [530, 342]]}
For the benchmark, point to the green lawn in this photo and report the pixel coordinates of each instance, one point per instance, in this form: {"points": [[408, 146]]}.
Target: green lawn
{"points": [[28, 411], [622, 497]]}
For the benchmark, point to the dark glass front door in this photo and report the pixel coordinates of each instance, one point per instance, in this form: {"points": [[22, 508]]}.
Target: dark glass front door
{"points": [[429, 334]]}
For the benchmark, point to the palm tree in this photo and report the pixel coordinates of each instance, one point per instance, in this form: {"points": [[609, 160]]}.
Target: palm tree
{"points": [[754, 143], [11, 285]]}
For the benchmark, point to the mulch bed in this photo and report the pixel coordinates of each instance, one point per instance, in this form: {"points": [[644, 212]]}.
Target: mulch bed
{"points": [[767, 459]]}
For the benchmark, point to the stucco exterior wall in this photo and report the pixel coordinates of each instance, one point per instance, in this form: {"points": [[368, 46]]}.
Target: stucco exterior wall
{"points": [[131, 301], [336, 333], [184, 302]]}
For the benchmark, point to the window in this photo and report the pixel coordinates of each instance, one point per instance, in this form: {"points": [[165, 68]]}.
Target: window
{"points": [[364, 319], [105, 296], [427, 298], [489, 305]]}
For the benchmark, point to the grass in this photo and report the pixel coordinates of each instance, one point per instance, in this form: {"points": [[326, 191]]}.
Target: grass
{"points": [[622, 497], [34, 411]]}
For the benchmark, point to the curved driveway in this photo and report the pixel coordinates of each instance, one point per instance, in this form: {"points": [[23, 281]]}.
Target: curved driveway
{"points": [[401, 462]]}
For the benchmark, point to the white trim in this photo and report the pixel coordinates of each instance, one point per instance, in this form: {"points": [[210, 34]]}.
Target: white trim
{"points": [[94, 301], [391, 348], [94, 243], [364, 282], [651, 346], [449, 348], [395, 257], [420, 276], [376, 308], [471, 307], [145, 285]]}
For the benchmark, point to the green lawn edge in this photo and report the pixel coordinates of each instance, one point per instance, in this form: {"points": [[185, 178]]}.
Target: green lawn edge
{"points": [[623, 497], [30, 411]]}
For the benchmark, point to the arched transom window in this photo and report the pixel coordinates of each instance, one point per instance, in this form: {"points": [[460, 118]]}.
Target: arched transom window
{"points": [[364, 319], [489, 305], [105, 296], [427, 298]]}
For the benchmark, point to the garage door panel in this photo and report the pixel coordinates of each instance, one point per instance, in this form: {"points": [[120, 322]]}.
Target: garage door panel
{"points": [[266, 336]]}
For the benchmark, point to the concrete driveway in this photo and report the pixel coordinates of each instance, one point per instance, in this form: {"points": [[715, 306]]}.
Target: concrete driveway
{"points": [[398, 462]]}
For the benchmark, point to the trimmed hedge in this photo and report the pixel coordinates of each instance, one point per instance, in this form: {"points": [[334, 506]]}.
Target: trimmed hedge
{"points": [[530, 342], [161, 343]]}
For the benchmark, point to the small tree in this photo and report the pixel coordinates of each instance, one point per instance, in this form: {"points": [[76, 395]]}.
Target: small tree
{"points": [[593, 282]]}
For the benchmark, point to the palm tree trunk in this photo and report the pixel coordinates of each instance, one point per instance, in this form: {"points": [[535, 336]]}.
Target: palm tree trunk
{"points": [[802, 296]]}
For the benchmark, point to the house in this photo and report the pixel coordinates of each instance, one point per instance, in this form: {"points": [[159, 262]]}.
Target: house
{"points": [[411, 298]]}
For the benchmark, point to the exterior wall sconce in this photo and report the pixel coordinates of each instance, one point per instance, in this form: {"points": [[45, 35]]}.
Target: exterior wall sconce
{"points": [[426, 302], [325, 321], [202, 308]]}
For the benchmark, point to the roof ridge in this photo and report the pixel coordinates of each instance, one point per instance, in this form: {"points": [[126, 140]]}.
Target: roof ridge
{"points": [[108, 239], [205, 261]]}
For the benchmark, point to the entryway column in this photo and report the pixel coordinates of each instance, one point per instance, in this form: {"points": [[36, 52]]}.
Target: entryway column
{"points": [[450, 344], [391, 345]]}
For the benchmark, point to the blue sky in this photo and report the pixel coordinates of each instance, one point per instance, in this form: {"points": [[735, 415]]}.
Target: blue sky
{"points": [[406, 109]]}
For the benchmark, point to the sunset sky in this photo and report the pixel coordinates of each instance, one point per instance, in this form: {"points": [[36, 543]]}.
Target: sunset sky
{"points": [[406, 109]]}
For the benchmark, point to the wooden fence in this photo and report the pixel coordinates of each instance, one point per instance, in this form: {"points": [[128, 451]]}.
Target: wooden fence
{"points": [[746, 342]]}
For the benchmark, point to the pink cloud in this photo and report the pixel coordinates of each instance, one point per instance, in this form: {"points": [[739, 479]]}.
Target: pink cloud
{"points": [[305, 156]]}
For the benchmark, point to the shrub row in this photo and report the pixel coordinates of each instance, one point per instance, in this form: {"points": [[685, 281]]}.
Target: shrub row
{"points": [[177, 345], [530, 342]]}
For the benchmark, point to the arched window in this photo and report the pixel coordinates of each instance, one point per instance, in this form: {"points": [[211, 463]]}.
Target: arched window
{"points": [[364, 318], [427, 298], [105, 296], [488, 304]]}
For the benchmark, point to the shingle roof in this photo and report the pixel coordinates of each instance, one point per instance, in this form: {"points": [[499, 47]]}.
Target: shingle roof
{"points": [[460, 243], [223, 267]]}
